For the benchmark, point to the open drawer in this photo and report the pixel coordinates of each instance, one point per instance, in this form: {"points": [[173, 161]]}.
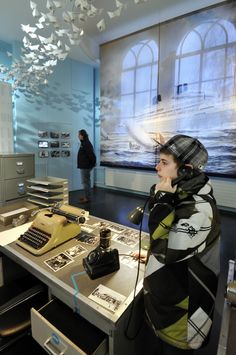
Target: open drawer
{"points": [[61, 331]]}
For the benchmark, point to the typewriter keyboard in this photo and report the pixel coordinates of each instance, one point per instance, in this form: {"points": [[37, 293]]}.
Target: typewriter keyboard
{"points": [[35, 238]]}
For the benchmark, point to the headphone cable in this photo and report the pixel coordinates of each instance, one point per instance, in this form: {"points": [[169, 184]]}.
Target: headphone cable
{"points": [[136, 281]]}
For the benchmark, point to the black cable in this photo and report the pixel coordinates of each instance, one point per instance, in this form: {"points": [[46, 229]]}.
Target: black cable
{"points": [[136, 281]]}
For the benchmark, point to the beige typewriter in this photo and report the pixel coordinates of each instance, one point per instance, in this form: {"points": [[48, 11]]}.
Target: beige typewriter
{"points": [[52, 227]]}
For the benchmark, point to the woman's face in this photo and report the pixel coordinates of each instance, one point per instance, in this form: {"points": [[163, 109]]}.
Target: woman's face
{"points": [[167, 167]]}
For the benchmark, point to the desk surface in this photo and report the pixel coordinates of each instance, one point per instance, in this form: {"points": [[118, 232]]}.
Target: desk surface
{"points": [[71, 284]]}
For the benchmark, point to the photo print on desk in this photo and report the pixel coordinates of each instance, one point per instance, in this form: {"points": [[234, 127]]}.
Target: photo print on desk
{"points": [[88, 239], [116, 229], [101, 224], [128, 237], [107, 298], [128, 260], [75, 251], [87, 228], [58, 262]]}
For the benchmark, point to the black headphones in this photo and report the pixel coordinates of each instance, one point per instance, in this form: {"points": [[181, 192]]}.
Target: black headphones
{"points": [[185, 171]]}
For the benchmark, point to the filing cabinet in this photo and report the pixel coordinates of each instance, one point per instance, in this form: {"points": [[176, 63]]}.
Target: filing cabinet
{"points": [[59, 330], [15, 169]]}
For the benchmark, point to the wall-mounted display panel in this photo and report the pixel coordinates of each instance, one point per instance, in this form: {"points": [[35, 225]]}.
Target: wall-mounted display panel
{"points": [[177, 77]]}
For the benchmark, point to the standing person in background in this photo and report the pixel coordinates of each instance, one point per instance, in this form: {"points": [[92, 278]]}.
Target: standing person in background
{"points": [[182, 263], [86, 161]]}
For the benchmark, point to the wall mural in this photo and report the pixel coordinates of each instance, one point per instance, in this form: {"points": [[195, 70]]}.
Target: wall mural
{"points": [[176, 77]]}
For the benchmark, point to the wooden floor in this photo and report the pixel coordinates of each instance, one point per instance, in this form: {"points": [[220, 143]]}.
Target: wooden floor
{"points": [[115, 206]]}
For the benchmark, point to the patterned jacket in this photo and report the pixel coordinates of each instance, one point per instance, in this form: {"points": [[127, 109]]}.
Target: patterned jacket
{"points": [[180, 281]]}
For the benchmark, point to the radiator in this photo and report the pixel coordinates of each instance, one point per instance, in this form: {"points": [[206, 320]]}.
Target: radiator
{"points": [[224, 189]]}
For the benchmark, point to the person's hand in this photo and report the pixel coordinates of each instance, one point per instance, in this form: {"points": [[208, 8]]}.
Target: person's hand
{"points": [[142, 256], [165, 185]]}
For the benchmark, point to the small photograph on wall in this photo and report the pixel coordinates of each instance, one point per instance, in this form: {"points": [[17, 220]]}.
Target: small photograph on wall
{"points": [[65, 153], [54, 134], [43, 154], [65, 135], [65, 144], [54, 144], [43, 144], [43, 134], [55, 153]]}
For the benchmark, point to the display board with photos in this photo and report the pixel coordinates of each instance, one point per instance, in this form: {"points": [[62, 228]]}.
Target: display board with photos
{"points": [[54, 144]]}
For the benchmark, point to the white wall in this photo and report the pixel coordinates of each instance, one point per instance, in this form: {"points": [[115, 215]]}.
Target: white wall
{"points": [[140, 182], [6, 124], [163, 10]]}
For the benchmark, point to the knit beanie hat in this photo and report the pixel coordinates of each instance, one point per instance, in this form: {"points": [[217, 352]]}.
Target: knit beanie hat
{"points": [[187, 150]]}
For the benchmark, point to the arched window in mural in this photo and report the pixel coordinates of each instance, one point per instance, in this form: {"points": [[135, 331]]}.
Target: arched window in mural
{"points": [[205, 63], [139, 78]]}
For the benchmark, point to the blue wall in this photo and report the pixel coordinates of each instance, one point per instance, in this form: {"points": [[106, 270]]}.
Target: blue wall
{"points": [[66, 105], [4, 59]]}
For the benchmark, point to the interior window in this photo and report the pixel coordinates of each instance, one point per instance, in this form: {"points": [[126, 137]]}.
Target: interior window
{"points": [[205, 61], [139, 78]]}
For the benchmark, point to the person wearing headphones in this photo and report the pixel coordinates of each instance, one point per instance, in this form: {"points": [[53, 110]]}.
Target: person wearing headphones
{"points": [[182, 263]]}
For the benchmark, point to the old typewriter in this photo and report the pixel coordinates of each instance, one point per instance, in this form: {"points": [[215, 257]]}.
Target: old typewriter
{"points": [[52, 227]]}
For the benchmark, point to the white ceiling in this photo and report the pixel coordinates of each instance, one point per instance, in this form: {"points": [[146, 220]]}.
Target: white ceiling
{"points": [[13, 13]]}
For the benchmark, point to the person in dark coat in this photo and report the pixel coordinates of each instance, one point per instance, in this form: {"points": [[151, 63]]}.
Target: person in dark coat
{"points": [[86, 161]]}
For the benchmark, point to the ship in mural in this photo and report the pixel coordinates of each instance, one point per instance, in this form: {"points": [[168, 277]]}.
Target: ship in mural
{"points": [[133, 142]]}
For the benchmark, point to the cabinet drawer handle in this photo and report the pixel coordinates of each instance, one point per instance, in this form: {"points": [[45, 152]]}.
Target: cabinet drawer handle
{"points": [[20, 171], [51, 347]]}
